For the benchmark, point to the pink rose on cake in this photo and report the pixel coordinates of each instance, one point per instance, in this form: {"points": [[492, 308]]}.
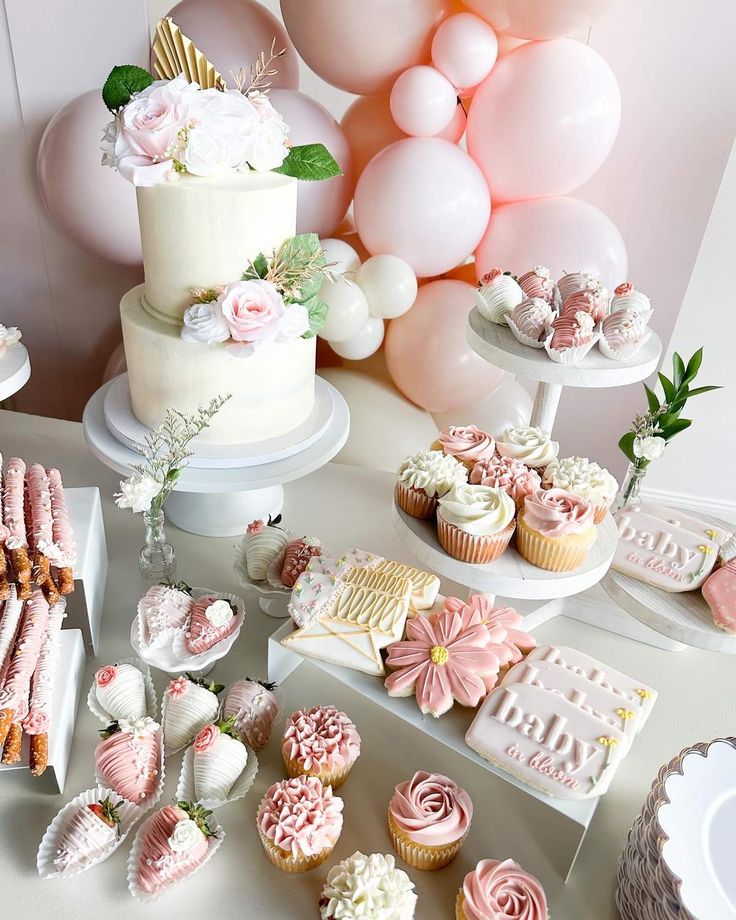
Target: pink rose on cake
{"points": [[253, 311]]}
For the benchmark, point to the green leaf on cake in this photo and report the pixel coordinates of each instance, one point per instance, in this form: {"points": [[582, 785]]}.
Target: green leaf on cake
{"points": [[124, 81], [258, 268], [310, 163], [317, 310], [305, 260], [626, 444]]}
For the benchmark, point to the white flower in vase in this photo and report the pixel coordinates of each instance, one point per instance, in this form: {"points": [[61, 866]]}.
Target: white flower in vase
{"points": [[649, 448], [138, 492]]}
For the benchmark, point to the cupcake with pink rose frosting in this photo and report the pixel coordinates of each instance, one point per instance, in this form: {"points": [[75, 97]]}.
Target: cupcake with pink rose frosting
{"points": [[530, 321], [556, 530], [538, 283], [429, 817], [571, 338], [587, 302], [497, 294], [322, 742], [513, 476], [622, 334], [500, 890], [466, 443], [299, 822], [627, 297]]}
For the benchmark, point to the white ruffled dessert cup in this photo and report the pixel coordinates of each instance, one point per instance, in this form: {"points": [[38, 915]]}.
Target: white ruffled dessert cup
{"points": [[622, 335], [186, 791], [530, 321], [572, 355], [475, 523], [423, 478], [128, 697], [94, 840]]}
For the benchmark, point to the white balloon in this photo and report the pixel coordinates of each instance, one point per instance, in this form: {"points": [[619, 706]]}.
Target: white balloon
{"points": [[510, 405], [389, 284], [364, 343], [423, 101], [348, 310], [341, 257]]}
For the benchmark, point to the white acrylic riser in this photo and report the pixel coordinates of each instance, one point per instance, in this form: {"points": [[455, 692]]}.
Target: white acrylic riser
{"points": [[84, 605], [221, 502], [64, 704], [15, 370], [565, 822]]}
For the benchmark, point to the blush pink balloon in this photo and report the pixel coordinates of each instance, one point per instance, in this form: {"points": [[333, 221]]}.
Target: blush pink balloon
{"points": [[369, 128], [321, 206], [424, 200], [464, 49], [90, 203], [423, 102], [232, 34], [428, 356], [539, 19], [363, 45], [544, 120], [455, 130], [565, 234]]}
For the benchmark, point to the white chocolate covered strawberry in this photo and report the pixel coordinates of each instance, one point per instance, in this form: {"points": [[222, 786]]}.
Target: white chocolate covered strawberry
{"points": [[264, 541], [162, 611], [188, 705], [219, 759], [90, 833], [121, 691]]}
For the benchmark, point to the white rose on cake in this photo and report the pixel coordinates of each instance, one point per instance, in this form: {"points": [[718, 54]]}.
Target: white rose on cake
{"points": [[204, 322], [220, 137], [295, 321]]}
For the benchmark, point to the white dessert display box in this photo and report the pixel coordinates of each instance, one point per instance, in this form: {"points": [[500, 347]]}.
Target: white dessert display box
{"points": [[84, 605]]}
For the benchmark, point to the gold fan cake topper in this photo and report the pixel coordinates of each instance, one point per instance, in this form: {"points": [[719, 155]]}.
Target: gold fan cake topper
{"points": [[176, 54]]}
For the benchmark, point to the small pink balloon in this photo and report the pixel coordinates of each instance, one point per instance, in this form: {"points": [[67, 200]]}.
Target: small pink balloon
{"points": [[90, 203], [464, 49], [455, 130], [423, 102], [362, 46], [233, 33], [428, 356], [321, 206], [539, 19], [424, 200], [544, 120], [369, 128], [565, 234]]}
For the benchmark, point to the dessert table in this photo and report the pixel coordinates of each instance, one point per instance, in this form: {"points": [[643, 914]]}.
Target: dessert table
{"points": [[344, 506]]}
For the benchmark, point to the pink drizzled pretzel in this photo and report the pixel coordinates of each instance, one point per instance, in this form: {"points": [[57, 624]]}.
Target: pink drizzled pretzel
{"points": [[40, 530], [25, 656], [37, 721], [62, 533], [4, 534], [9, 622], [14, 520]]}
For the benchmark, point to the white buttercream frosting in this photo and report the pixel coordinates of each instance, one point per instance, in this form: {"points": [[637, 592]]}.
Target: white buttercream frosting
{"points": [[479, 510], [583, 478], [185, 836], [219, 613], [432, 471], [532, 446], [363, 887]]}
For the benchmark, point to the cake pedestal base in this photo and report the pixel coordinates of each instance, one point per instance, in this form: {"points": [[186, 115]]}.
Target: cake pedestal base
{"points": [[215, 515]]}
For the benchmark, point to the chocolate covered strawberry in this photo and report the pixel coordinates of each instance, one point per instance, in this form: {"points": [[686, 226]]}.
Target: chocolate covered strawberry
{"points": [[296, 559], [219, 759], [188, 705], [121, 691], [212, 619], [254, 708], [162, 611], [128, 758], [89, 834]]}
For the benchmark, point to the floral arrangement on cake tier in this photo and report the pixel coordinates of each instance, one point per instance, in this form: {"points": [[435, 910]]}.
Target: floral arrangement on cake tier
{"points": [[276, 298], [165, 128], [651, 431]]}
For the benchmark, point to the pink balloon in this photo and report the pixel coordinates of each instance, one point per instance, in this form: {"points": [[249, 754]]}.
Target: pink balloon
{"points": [[544, 120], [321, 205], [539, 19], [464, 49], [369, 128], [90, 203], [363, 45], [428, 356], [565, 234], [233, 33], [455, 130], [424, 200], [423, 102]]}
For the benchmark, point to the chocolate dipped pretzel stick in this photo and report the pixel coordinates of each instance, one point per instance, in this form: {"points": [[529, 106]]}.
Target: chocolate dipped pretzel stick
{"points": [[39, 530], [9, 622], [23, 663], [38, 719], [14, 520], [4, 534], [13, 744], [62, 533]]}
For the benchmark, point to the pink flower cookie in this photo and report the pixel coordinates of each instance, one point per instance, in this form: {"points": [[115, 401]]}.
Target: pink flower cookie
{"points": [[446, 657]]}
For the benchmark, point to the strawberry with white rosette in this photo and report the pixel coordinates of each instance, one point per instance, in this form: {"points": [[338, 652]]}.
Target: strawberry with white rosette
{"points": [[264, 542], [91, 832], [219, 759], [212, 619], [121, 691], [188, 705]]}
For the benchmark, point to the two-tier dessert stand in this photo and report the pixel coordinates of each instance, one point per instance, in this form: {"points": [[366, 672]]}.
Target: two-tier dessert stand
{"points": [[221, 490]]}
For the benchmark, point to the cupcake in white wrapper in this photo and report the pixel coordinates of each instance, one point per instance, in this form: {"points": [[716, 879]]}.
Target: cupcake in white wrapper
{"points": [[186, 789], [118, 692], [130, 761], [622, 335], [530, 321], [497, 295], [571, 338], [77, 839], [171, 846]]}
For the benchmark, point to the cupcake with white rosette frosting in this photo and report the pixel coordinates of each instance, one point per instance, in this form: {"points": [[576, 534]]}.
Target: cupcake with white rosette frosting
{"points": [[425, 476], [622, 334], [584, 478], [531, 445], [475, 523], [626, 297], [497, 295], [363, 887], [538, 283], [530, 321]]}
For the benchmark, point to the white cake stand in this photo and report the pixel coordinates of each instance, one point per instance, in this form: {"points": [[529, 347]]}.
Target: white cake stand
{"points": [[15, 370], [221, 500]]}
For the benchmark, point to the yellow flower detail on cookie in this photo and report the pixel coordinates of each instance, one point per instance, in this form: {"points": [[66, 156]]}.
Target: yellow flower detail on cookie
{"points": [[439, 654], [625, 714]]}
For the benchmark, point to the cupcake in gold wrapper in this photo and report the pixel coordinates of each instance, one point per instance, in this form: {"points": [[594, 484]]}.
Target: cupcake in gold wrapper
{"points": [[428, 820], [299, 822], [321, 742], [425, 476], [556, 530], [475, 523]]}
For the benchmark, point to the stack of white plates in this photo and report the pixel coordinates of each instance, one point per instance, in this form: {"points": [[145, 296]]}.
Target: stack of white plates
{"points": [[678, 862]]}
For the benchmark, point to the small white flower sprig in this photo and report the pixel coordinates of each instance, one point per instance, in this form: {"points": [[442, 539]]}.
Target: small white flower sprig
{"points": [[164, 454], [651, 431]]}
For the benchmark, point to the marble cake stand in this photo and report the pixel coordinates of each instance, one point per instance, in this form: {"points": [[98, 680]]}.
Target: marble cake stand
{"points": [[220, 499], [15, 370]]}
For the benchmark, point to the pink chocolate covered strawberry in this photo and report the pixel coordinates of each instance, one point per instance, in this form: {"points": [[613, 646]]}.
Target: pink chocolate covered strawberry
{"points": [[90, 833], [296, 559], [212, 619], [128, 758]]}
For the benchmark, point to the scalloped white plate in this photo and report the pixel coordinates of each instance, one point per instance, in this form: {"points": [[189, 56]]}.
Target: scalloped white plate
{"points": [[151, 707], [242, 785]]}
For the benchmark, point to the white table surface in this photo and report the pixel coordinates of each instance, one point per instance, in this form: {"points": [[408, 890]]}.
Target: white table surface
{"points": [[345, 507]]}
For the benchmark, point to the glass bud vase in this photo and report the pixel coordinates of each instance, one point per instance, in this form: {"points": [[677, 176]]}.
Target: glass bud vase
{"points": [[629, 493], [157, 559]]}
